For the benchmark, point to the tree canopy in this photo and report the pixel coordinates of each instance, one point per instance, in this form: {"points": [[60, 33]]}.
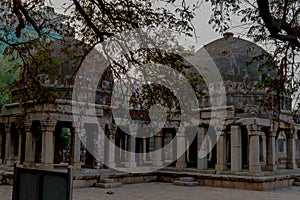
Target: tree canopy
{"points": [[274, 22], [8, 75]]}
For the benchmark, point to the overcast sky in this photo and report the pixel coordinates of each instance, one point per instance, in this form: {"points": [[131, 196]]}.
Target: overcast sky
{"points": [[204, 31]]}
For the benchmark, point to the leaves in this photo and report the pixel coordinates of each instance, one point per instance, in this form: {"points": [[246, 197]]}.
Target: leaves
{"points": [[8, 75]]}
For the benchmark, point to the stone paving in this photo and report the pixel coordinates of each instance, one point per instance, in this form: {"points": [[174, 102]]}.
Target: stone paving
{"points": [[166, 191]]}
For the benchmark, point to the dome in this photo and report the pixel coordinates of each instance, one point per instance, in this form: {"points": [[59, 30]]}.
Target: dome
{"points": [[235, 59], [232, 56]]}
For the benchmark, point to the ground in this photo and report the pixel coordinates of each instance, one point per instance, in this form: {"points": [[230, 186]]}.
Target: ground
{"points": [[158, 191]]}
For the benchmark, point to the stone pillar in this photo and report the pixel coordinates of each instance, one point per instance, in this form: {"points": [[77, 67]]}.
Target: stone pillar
{"points": [[236, 148], [181, 149], [140, 160], [158, 142], [298, 151], [9, 151], [75, 146], [221, 149], [111, 146], [290, 147], [276, 152], [145, 154], [202, 148], [130, 158], [48, 128], [30, 145], [254, 133], [264, 149], [271, 152], [20, 146]]}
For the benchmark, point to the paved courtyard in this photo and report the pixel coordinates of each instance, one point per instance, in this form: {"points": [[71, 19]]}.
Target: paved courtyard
{"points": [[157, 191]]}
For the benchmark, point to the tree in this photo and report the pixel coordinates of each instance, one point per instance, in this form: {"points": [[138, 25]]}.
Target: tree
{"points": [[275, 22], [94, 21], [8, 75]]}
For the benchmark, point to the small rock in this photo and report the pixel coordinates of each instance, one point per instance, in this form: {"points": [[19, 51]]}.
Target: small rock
{"points": [[109, 192]]}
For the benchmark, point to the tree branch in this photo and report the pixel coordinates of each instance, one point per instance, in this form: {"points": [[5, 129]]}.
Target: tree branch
{"points": [[276, 26], [90, 23]]}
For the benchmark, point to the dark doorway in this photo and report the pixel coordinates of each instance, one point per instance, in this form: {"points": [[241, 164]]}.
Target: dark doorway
{"points": [[14, 140], [3, 137], [245, 163], [192, 154], [120, 141], [23, 146], [62, 140], [228, 150], [90, 132], [37, 134]]}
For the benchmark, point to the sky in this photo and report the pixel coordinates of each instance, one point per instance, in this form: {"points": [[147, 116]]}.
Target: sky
{"points": [[204, 31]]}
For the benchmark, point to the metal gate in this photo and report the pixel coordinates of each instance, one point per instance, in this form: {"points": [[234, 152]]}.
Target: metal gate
{"points": [[34, 184]]}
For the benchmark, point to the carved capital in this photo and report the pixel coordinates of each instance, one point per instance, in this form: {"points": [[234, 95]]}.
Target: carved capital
{"points": [[220, 130], [289, 133], [254, 129], [77, 129], [7, 127], [180, 132], [48, 125], [28, 126], [160, 134]]}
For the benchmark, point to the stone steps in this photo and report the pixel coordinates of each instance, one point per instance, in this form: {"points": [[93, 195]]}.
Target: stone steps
{"points": [[186, 181], [297, 182], [297, 179], [107, 183]]}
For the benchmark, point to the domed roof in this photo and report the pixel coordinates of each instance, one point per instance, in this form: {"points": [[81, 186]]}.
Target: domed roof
{"points": [[233, 57], [235, 60]]}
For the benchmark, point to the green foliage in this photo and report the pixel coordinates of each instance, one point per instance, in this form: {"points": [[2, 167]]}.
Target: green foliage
{"points": [[9, 70], [65, 138], [275, 22]]}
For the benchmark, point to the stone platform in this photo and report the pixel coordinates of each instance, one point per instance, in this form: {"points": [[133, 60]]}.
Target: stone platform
{"points": [[242, 180]]}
